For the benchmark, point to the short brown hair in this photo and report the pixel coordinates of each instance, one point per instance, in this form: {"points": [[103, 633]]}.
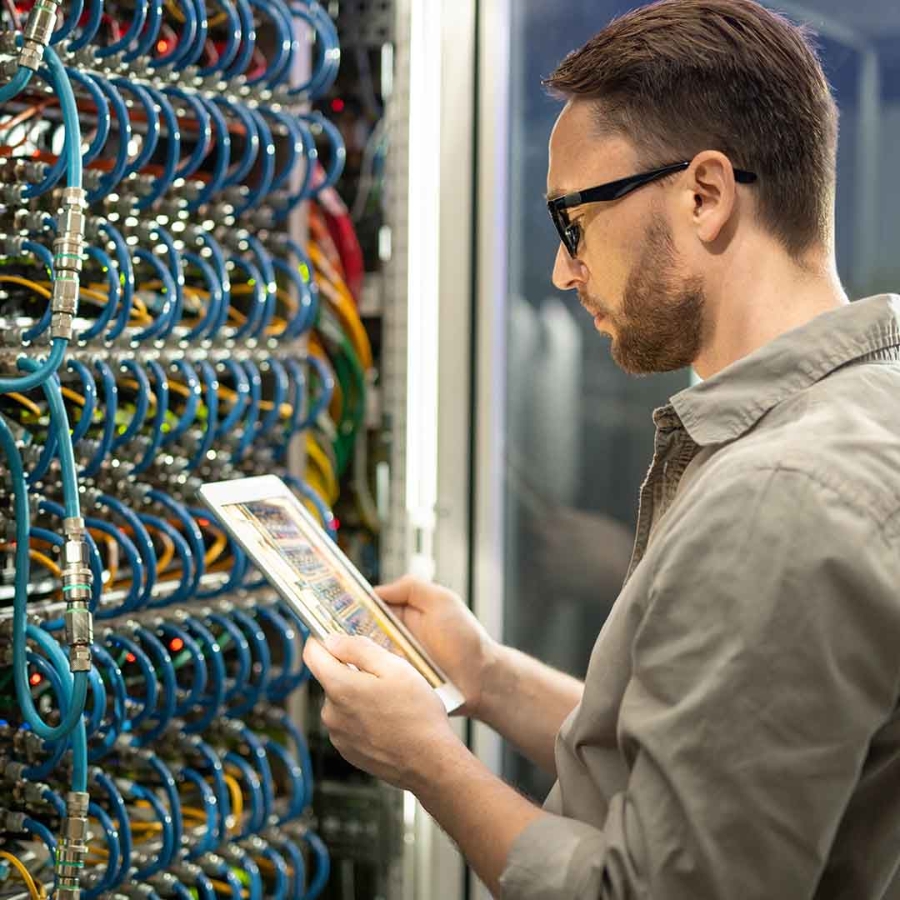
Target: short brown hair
{"points": [[681, 76]]}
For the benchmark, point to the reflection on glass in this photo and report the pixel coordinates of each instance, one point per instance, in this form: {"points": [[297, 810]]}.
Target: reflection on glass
{"points": [[579, 431]]}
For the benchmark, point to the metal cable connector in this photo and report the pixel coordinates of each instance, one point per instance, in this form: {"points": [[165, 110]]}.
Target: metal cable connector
{"points": [[38, 31], [71, 850]]}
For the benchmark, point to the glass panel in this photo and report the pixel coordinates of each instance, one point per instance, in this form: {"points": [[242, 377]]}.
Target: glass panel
{"points": [[579, 432]]}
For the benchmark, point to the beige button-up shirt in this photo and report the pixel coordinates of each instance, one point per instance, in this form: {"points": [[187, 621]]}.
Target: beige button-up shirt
{"points": [[739, 733]]}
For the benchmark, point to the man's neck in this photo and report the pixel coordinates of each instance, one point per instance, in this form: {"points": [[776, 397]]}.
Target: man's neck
{"points": [[755, 301]]}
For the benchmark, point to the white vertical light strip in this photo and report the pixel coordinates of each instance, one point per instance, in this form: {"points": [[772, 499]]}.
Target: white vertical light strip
{"points": [[423, 280]]}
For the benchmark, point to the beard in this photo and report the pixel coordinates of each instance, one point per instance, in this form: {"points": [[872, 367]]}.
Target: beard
{"points": [[660, 327]]}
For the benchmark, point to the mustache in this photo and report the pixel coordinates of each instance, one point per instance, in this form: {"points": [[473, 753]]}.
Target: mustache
{"points": [[592, 304]]}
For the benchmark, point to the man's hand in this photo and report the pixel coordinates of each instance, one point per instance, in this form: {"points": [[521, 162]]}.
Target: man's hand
{"points": [[449, 632], [385, 718]]}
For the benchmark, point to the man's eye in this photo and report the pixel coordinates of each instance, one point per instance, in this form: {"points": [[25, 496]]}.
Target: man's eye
{"points": [[573, 232]]}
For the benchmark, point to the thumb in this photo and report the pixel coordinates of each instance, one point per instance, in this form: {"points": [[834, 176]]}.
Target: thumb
{"points": [[361, 652]]}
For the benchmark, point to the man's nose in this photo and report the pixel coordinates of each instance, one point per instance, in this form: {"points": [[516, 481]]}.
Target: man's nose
{"points": [[568, 273]]}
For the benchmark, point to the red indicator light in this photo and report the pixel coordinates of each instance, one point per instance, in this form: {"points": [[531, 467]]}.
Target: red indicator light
{"points": [[162, 46], [335, 523], [337, 105], [130, 657], [35, 679], [176, 644]]}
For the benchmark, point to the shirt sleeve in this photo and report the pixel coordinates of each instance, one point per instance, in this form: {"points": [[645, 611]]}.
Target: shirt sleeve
{"points": [[763, 663]]}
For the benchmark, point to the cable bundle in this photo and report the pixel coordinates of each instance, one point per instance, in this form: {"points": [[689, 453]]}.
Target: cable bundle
{"points": [[162, 326]]}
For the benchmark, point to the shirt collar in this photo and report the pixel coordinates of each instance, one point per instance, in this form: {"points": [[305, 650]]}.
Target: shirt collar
{"points": [[732, 401]]}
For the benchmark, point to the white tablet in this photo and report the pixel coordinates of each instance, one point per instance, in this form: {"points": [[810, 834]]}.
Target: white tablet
{"points": [[312, 574]]}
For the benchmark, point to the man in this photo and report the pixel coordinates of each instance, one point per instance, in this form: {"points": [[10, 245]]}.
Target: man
{"points": [[738, 731]]}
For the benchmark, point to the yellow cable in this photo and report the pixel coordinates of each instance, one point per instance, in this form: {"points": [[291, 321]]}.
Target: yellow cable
{"points": [[46, 562], [218, 548], [74, 396], [317, 457], [26, 282], [32, 407], [35, 892], [237, 801]]}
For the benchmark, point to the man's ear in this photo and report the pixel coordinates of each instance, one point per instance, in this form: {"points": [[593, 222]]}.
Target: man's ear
{"points": [[710, 195]]}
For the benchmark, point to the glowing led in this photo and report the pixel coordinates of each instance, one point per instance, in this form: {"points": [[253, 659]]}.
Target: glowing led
{"points": [[176, 644]]}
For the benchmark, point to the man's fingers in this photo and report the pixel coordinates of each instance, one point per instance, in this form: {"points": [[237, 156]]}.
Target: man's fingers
{"points": [[361, 652], [327, 670], [397, 593]]}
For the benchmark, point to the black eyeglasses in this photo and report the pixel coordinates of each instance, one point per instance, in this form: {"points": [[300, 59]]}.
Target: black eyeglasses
{"points": [[570, 232]]}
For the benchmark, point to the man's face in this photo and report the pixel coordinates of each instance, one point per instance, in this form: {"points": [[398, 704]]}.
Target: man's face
{"points": [[628, 273]]}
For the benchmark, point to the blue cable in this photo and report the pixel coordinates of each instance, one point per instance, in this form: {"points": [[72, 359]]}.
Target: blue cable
{"points": [[185, 557], [221, 269], [176, 269], [248, 42], [309, 300], [104, 120], [257, 639], [303, 756], [142, 403], [112, 843], [133, 600], [100, 748], [173, 150], [263, 770], [222, 161], [48, 454], [267, 269], [251, 141], [192, 402], [167, 853], [280, 887], [126, 278], [151, 688], [286, 635], [170, 789], [232, 40], [111, 270], [211, 400], [168, 693], [147, 41], [326, 68], [204, 137], [111, 402], [297, 323], [18, 84], [258, 298], [211, 703], [69, 23], [214, 288], [185, 39], [242, 390], [212, 761], [151, 138], [279, 395], [213, 835], [196, 52], [295, 779], [251, 870], [294, 145], [257, 195], [56, 748], [326, 516], [338, 155], [89, 387], [241, 648], [298, 864], [323, 865], [132, 33], [326, 383], [251, 421], [305, 190], [142, 540], [165, 320], [194, 694], [256, 822], [75, 690], [111, 179], [117, 804], [98, 706], [192, 532], [40, 373], [161, 385], [238, 568], [43, 833], [91, 27], [44, 257], [283, 44]]}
